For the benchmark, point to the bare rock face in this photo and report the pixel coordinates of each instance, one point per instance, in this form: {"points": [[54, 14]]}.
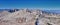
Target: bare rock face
{"points": [[4, 13], [28, 17], [48, 19], [22, 17]]}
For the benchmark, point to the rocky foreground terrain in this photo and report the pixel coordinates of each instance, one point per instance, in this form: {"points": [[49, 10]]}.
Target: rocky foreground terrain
{"points": [[29, 17]]}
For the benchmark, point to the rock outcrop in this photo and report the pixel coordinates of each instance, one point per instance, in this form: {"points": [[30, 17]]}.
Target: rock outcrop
{"points": [[28, 17]]}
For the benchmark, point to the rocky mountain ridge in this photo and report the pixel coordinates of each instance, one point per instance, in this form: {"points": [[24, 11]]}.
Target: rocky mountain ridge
{"points": [[30, 17]]}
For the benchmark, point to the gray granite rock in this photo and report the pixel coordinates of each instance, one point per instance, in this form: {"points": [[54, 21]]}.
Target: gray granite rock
{"points": [[29, 17]]}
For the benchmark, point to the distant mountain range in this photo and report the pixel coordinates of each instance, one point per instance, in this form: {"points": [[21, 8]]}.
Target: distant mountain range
{"points": [[53, 11], [48, 11], [9, 10]]}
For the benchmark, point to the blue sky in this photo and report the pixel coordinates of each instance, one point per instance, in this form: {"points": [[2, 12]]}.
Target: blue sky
{"points": [[45, 4]]}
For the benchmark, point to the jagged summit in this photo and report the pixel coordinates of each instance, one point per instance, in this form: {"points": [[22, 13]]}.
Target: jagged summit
{"points": [[28, 17]]}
